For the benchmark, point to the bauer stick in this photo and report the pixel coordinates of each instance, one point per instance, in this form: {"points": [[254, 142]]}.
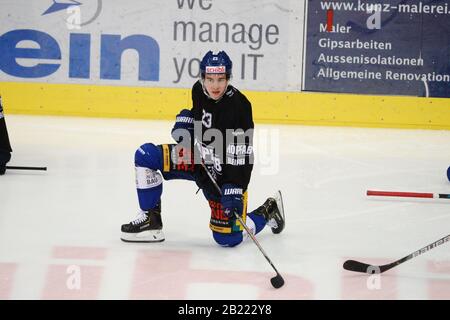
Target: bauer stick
{"points": [[277, 281], [357, 266], [26, 168]]}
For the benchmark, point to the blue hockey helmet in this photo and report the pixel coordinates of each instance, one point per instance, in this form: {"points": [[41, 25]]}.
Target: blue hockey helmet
{"points": [[216, 63]]}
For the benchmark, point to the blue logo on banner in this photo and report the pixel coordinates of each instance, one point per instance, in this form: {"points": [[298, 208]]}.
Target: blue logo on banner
{"points": [[79, 56], [47, 55], [58, 6]]}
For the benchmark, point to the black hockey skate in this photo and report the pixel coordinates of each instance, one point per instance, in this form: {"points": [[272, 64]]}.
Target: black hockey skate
{"points": [[146, 227], [273, 212]]}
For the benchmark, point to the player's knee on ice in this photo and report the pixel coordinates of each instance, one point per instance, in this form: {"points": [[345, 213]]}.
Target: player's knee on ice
{"points": [[228, 239]]}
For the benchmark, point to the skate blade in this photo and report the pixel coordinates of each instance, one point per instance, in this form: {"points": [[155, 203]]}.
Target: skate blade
{"points": [[279, 199], [145, 236]]}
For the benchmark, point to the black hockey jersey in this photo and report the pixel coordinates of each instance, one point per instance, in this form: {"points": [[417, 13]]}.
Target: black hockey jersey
{"points": [[225, 140]]}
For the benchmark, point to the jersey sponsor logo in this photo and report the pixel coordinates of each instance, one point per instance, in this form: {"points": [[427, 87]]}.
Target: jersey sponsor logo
{"points": [[236, 154], [239, 150], [218, 69], [236, 162]]}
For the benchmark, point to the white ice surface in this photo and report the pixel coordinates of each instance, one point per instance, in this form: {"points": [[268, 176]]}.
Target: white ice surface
{"points": [[60, 229]]}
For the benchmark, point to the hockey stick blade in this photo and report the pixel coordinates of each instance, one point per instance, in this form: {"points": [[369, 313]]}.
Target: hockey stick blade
{"points": [[26, 168], [352, 265], [277, 281], [356, 266]]}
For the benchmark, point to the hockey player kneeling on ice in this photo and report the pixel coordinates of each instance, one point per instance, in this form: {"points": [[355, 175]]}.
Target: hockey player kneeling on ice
{"points": [[5, 146], [220, 107]]}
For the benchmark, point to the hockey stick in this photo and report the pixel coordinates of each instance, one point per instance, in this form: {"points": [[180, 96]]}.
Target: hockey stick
{"points": [[357, 266], [26, 168], [426, 195], [277, 281]]}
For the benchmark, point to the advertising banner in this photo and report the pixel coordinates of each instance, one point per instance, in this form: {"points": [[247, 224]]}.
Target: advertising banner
{"points": [[150, 43], [388, 47]]}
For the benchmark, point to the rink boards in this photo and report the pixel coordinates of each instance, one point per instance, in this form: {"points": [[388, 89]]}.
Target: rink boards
{"points": [[269, 107]]}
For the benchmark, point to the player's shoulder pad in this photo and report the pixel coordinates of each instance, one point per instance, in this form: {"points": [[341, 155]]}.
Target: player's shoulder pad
{"points": [[239, 99]]}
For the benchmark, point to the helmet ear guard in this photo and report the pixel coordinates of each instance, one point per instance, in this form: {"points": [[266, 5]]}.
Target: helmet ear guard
{"points": [[216, 64]]}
